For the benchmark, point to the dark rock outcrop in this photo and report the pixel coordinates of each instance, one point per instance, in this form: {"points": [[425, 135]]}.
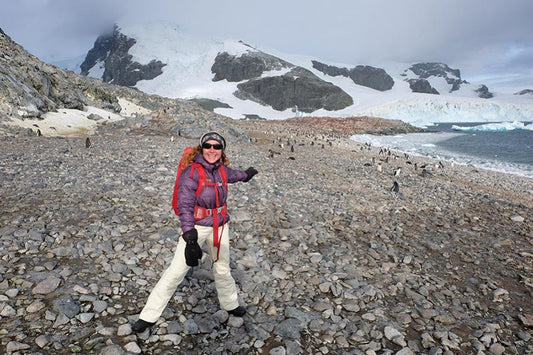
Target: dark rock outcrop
{"points": [[364, 75], [330, 70], [483, 92], [375, 78], [247, 66], [120, 68], [97, 54], [426, 70], [524, 92], [422, 86], [299, 87], [210, 104]]}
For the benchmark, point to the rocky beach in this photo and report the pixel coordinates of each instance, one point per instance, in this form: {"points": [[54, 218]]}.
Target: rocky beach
{"points": [[337, 248]]}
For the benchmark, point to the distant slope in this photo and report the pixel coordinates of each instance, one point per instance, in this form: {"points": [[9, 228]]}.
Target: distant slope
{"points": [[163, 59]]}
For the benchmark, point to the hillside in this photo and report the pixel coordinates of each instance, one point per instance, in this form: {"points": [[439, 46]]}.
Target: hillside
{"points": [[41, 97]]}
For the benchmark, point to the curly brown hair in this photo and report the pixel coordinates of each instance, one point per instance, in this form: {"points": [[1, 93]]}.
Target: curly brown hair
{"points": [[198, 150]]}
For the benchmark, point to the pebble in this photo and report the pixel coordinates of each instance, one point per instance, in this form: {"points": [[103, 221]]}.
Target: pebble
{"points": [[327, 259], [133, 347], [14, 346], [47, 286]]}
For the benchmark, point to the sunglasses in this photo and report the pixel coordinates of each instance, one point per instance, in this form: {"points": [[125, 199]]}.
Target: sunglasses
{"points": [[214, 146]]}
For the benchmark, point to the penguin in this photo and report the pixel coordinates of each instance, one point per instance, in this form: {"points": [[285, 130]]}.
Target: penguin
{"points": [[395, 187], [87, 143], [397, 171], [425, 173]]}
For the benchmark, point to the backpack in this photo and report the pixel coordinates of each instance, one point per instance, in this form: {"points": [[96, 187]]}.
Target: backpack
{"points": [[201, 178]]}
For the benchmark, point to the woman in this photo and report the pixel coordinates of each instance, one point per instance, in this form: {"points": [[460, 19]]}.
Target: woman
{"points": [[203, 217]]}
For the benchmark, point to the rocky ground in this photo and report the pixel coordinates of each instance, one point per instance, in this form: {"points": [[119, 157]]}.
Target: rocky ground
{"points": [[328, 257]]}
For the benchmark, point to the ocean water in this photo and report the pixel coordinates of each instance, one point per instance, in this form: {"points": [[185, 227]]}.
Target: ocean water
{"points": [[504, 146]]}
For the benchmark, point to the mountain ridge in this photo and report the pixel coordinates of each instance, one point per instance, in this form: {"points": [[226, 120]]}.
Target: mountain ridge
{"points": [[240, 79], [37, 98]]}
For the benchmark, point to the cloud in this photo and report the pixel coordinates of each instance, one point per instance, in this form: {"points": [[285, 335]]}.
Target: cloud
{"points": [[465, 34]]}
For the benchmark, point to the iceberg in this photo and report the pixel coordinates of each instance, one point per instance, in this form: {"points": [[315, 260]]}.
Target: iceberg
{"points": [[495, 127]]}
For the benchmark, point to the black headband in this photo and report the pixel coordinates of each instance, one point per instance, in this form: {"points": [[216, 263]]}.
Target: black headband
{"points": [[213, 136]]}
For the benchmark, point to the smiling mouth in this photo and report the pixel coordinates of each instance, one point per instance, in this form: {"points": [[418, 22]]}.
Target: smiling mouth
{"points": [[211, 156]]}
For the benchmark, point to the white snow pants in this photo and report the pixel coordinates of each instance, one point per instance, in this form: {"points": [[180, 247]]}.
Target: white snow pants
{"points": [[174, 274]]}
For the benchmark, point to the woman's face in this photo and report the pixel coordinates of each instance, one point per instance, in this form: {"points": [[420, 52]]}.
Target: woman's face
{"points": [[212, 155]]}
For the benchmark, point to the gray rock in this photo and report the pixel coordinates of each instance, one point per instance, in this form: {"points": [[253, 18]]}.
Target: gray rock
{"points": [[289, 328], [112, 349], [47, 286], [207, 324], [133, 348], [15, 346], [66, 305], [190, 327]]}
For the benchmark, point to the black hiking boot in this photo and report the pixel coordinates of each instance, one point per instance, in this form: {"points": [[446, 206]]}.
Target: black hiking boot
{"points": [[238, 312], [141, 325]]}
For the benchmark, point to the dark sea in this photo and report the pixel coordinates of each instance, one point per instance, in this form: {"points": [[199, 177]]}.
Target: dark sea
{"points": [[503, 146]]}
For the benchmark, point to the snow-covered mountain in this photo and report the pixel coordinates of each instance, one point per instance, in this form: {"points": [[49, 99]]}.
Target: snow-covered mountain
{"points": [[242, 81]]}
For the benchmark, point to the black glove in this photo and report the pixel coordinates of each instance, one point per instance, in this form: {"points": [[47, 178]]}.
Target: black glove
{"points": [[250, 172], [193, 252]]}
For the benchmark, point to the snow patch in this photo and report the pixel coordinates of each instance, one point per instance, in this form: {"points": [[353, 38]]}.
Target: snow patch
{"points": [[67, 122]]}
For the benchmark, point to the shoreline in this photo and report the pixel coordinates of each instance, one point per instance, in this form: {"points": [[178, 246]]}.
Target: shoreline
{"points": [[501, 167]]}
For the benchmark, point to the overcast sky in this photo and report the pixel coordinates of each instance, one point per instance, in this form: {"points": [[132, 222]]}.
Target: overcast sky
{"points": [[480, 37]]}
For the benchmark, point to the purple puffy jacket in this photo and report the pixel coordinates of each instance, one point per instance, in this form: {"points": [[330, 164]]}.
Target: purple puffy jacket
{"points": [[187, 193]]}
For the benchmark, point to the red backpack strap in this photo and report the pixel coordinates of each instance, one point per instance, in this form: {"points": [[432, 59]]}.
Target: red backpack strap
{"points": [[201, 177], [223, 211], [175, 193], [224, 176]]}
